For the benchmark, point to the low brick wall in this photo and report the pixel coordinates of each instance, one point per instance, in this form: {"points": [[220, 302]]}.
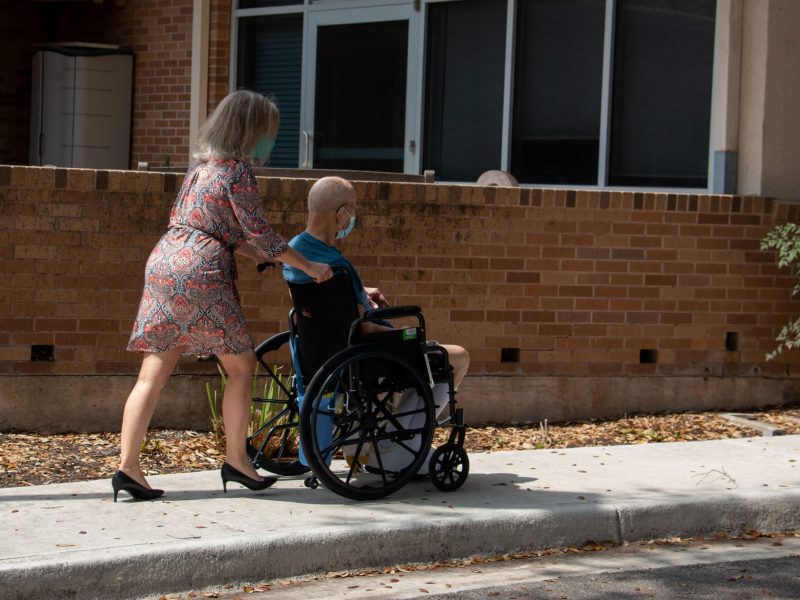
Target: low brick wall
{"points": [[572, 304]]}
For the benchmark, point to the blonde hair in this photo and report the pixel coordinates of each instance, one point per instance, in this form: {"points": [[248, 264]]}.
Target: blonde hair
{"points": [[233, 129]]}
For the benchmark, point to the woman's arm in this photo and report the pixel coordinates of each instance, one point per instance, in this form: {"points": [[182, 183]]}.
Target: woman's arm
{"points": [[249, 251], [319, 272], [263, 239]]}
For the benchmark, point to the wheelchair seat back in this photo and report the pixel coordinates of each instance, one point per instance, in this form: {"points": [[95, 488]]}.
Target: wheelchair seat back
{"points": [[321, 318]]}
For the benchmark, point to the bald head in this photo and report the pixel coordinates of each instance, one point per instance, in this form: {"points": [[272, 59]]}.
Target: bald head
{"points": [[329, 193]]}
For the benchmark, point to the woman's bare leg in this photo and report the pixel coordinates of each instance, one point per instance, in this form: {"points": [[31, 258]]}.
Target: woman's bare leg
{"points": [[153, 376], [239, 370]]}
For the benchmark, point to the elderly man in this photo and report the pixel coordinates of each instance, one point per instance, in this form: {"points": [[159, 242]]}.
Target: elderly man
{"points": [[332, 206]]}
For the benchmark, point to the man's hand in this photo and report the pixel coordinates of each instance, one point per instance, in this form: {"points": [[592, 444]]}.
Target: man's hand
{"points": [[376, 298]]}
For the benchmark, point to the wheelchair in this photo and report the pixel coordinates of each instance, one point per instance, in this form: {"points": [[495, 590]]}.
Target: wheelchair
{"points": [[363, 403]]}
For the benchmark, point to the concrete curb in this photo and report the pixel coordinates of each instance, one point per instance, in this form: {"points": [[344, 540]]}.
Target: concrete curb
{"points": [[142, 570]]}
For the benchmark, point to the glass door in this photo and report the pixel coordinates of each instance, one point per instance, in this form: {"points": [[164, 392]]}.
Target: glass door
{"points": [[359, 101]]}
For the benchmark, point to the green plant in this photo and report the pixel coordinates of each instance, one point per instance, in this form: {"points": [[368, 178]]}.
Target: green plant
{"points": [[260, 411], [151, 446], [273, 401], [786, 240], [214, 402]]}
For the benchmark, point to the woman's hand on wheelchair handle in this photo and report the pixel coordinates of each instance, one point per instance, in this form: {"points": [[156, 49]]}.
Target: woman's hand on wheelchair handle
{"points": [[269, 267], [319, 272]]}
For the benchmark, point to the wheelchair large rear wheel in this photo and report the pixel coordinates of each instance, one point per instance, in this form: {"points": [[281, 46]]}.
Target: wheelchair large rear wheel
{"points": [[367, 423], [272, 440]]}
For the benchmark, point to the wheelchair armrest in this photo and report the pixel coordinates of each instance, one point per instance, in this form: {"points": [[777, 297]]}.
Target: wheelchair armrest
{"points": [[393, 312], [381, 314]]}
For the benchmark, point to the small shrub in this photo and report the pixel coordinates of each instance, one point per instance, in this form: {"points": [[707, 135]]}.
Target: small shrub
{"points": [[260, 412], [786, 240]]}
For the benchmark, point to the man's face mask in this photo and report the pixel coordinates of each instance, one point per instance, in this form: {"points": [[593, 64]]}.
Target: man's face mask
{"points": [[263, 147], [343, 233]]}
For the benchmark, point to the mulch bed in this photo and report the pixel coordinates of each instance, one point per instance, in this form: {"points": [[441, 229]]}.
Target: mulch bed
{"points": [[35, 459]]}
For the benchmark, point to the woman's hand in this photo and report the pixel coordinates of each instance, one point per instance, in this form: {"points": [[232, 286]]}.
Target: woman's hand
{"points": [[269, 267], [319, 272]]}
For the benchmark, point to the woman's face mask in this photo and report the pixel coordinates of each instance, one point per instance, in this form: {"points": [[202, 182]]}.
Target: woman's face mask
{"points": [[263, 147], [343, 233]]}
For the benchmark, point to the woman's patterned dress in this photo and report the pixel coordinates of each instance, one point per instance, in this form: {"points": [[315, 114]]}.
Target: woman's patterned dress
{"points": [[189, 297]]}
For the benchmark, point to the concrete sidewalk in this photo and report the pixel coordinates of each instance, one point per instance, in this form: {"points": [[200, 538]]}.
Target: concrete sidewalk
{"points": [[71, 540]]}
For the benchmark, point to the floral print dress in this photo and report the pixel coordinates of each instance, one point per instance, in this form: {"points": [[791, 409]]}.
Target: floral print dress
{"points": [[189, 296]]}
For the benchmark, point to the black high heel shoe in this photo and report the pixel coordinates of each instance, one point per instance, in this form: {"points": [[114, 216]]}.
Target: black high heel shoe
{"points": [[230, 473], [121, 482]]}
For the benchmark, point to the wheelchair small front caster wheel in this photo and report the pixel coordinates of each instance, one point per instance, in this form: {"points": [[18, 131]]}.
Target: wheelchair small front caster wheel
{"points": [[311, 482], [449, 467]]}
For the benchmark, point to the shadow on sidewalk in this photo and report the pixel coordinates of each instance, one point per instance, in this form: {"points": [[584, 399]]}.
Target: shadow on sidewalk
{"points": [[482, 490]]}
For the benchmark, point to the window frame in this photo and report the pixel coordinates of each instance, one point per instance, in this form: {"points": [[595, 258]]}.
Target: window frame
{"points": [[418, 74]]}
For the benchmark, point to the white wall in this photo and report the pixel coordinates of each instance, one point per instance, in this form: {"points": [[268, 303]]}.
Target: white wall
{"points": [[769, 118]]}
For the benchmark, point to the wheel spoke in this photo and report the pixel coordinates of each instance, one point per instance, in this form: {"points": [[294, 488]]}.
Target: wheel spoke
{"points": [[339, 441], [355, 458], [380, 461]]}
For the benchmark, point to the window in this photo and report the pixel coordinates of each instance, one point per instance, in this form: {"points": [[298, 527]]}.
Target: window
{"points": [[661, 103], [266, 3], [464, 88], [360, 104], [557, 91], [270, 62]]}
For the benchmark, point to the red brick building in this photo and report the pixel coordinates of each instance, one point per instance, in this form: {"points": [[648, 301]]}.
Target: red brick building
{"points": [[607, 283]]}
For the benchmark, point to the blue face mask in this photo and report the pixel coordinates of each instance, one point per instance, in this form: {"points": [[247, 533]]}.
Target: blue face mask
{"points": [[263, 147], [343, 233]]}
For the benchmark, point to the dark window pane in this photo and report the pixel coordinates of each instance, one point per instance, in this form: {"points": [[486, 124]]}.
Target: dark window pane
{"points": [[557, 89], [266, 3], [360, 104], [464, 88], [662, 93], [270, 62]]}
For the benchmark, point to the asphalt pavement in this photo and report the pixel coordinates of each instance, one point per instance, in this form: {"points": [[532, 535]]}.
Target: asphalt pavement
{"points": [[72, 541], [698, 569]]}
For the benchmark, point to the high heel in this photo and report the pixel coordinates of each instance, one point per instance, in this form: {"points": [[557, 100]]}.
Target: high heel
{"points": [[122, 483], [230, 473]]}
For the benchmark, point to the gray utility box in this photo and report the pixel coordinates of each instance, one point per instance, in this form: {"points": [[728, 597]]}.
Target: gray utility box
{"points": [[81, 106]]}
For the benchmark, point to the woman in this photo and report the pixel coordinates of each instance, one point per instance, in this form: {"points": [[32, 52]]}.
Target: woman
{"points": [[190, 304]]}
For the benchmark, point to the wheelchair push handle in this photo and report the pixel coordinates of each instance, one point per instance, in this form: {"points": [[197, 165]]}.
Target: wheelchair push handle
{"points": [[261, 267]]}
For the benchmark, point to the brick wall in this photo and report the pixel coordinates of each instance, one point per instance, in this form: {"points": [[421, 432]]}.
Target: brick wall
{"points": [[576, 283], [567, 285], [219, 51], [160, 34]]}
